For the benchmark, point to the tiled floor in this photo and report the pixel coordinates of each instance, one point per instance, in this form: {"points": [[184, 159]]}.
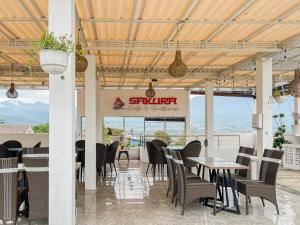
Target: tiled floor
{"points": [[133, 198]]}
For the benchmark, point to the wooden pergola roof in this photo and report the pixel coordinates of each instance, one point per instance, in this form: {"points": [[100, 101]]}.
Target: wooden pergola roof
{"points": [[135, 40]]}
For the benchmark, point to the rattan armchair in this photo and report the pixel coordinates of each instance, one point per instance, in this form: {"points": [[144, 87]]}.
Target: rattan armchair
{"points": [[159, 143], [192, 149], [111, 156], [38, 185], [156, 157], [265, 187], [189, 190], [100, 158]]}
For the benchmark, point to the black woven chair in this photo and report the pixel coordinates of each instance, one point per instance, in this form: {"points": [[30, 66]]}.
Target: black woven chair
{"points": [[80, 150], [100, 158], [156, 157], [5, 153], [37, 145], [189, 190], [265, 187], [192, 149], [159, 143], [13, 144], [111, 156]]}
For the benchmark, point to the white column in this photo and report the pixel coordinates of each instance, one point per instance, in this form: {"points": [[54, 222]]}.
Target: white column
{"points": [[80, 113], [296, 110], [209, 116], [62, 122], [90, 120], [187, 115], [264, 104], [98, 114]]}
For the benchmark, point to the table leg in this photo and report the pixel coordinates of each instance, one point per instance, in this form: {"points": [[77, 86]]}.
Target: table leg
{"points": [[225, 185], [236, 204]]}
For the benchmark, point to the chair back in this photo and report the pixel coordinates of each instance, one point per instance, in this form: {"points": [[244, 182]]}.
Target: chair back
{"points": [[155, 154], [111, 152], [159, 143], [37, 167], [80, 145], [13, 144], [192, 149], [244, 158], [8, 188], [269, 166], [180, 172], [80, 149], [171, 170], [37, 145], [5, 153], [100, 155], [41, 150]]}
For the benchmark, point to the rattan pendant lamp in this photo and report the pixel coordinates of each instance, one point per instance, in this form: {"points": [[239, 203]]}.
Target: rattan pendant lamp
{"points": [[81, 61], [177, 67], [294, 86], [150, 92], [11, 92]]}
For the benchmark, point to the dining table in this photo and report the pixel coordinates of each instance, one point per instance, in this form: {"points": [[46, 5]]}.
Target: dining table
{"points": [[215, 165]]}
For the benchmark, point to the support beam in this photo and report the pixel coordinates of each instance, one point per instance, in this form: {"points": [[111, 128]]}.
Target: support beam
{"points": [[90, 118], [264, 104], [209, 116], [62, 122]]}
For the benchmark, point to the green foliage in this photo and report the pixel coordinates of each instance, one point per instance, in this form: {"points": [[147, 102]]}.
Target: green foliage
{"points": [[162, 136], [115, 132], [180, 141], [279, 138], [42, 128]]}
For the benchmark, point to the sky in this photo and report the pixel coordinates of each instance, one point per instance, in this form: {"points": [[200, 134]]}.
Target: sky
{"points": [[28, 96]]}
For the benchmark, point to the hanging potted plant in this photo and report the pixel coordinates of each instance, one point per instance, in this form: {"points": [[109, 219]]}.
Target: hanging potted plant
{"points": [[279, 96], [53, 52]]}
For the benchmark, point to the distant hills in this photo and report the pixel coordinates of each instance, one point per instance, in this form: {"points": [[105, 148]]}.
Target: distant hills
{"points": [[232, 114], [17, 112]]}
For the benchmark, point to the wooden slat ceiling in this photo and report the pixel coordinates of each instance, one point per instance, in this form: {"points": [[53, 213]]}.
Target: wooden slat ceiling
{"points": [[259, 21]]}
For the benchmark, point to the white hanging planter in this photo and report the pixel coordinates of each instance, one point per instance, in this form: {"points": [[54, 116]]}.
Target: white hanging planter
{"points": [[53, 62], [280, 99]]}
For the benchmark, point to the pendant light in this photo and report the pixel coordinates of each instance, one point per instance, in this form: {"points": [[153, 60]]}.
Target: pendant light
{"points": [[81, 61], [177, 67], [11, 92], [150, 92], [294, 86]]}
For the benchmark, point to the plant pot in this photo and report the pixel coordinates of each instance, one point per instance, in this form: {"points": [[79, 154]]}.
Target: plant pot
{"points": [[53, 62], [280, 99]]}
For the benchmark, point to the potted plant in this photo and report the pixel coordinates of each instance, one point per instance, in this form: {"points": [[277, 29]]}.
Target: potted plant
{"points": [[279, 138], [53, 52], [279, 96]]}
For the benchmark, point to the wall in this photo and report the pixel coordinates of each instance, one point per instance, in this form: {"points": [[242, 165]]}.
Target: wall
{"points": [[27, 140]]}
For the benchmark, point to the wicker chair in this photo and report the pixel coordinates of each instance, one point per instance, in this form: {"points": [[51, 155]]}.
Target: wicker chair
{"points": [[8, 189], [265, 188], [100, 157], [171, 174], [13, 144], [189, 190], [5, 153], [159, 143], [111, 156], [156, 157], [38, 178], [192, 149], [37, 145]]}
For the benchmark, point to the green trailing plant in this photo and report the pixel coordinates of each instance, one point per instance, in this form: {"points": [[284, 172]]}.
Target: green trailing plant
{"points": [[279, 138]]}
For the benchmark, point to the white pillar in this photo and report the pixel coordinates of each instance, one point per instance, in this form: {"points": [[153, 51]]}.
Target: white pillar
{"points": [[187, 115], [209, 116], [62, 122], [90, 120], [264, 104], [296, 110], [98, 115], [80, 113]]}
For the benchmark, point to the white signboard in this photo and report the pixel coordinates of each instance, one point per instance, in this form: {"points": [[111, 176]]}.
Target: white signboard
{"points": [[166, 103]]}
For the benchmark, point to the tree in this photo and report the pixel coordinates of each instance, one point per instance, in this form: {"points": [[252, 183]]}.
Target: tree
{"points": [[115, 132], [279, 138], [41, 128], [162, 136]]}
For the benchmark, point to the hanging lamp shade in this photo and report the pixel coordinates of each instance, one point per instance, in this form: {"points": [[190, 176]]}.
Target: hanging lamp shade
{"points": [[11, 92], [294, 86], [150, 92], [177, 67], [81, 61]]}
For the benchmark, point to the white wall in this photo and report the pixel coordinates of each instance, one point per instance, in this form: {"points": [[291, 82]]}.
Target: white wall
{"points": [[27, 140]]}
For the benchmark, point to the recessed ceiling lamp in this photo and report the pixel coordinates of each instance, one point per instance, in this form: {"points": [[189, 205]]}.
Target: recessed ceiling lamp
{"points": [[11, 92], [177, 67], [81, 61]]}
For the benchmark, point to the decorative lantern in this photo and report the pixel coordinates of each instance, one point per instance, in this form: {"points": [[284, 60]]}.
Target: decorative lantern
{"points": [[150, 92], [81, 61], [294, 86], [177, 68], [11, 92]]}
